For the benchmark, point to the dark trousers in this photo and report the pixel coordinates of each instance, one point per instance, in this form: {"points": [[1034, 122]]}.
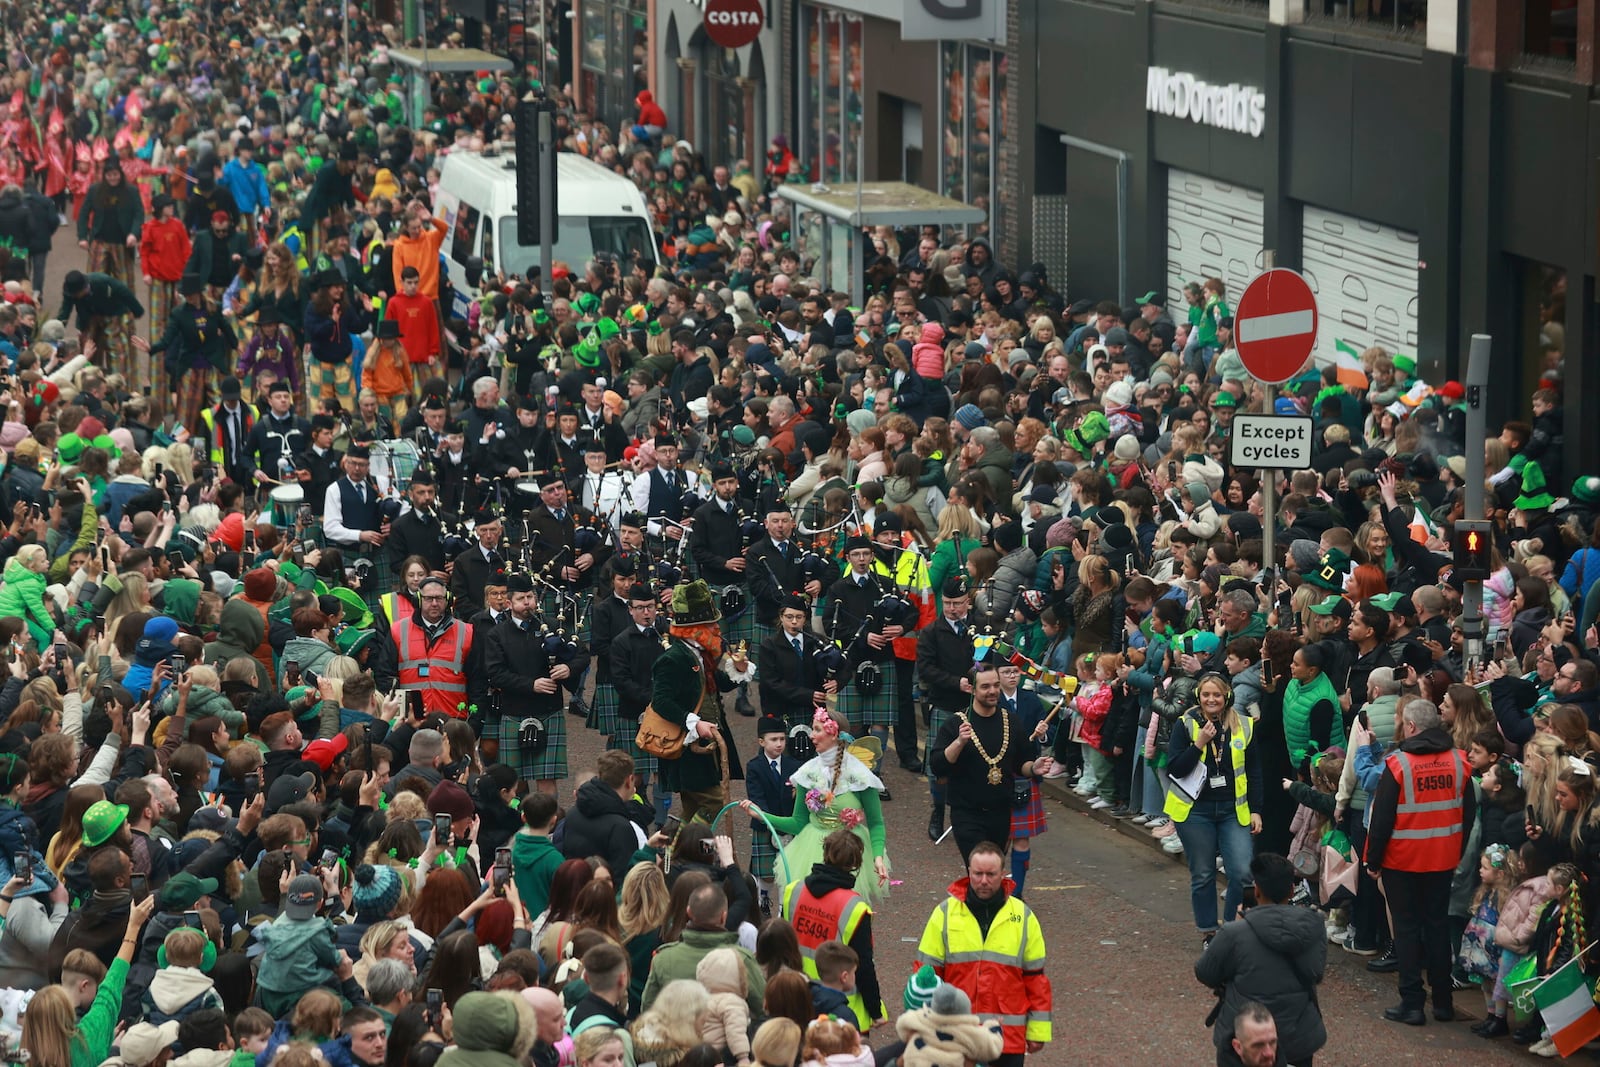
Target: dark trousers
{"points": [[1008, 1059], [1420, 903], [970, 826], [1367, 913], [905, 720]]}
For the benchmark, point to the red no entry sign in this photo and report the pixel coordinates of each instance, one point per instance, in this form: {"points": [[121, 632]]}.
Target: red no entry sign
{"points": [[1275, 325], [733, 23]]}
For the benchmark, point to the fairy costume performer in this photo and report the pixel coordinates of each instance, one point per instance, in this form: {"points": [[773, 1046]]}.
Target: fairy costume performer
{"points": [[834, 789]]}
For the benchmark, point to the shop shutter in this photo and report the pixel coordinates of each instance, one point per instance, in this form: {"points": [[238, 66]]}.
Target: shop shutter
{"points": [[1050, 238], [1213, 231], [1365, 278]]}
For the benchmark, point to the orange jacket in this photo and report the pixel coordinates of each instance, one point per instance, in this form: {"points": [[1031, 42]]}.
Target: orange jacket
{"points": [[164, 249], [422, 253], [388, 371], [439, 669]]}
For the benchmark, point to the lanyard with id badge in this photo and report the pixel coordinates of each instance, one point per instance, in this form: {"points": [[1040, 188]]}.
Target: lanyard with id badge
{"points": [[1215, 777]]}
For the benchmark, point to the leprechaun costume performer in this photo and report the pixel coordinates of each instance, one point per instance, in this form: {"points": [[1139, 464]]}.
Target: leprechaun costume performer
{"points": [[687, 683]]}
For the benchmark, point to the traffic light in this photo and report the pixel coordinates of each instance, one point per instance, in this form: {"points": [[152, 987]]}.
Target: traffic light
{"points": [[1469, 544], [528, 190]]}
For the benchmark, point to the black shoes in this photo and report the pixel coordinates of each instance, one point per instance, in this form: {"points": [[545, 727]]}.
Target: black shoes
{"points": [[1444, 1015], [1527, 1035], [1492, 1027], [1402, 1014], [1388, 963], [883, 794], [577, 707], [936, 823], [913, 765]]}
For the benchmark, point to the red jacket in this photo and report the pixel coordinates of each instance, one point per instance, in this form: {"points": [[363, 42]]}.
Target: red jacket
{"points": [[650, 113], [419, 325], [164, 249]]}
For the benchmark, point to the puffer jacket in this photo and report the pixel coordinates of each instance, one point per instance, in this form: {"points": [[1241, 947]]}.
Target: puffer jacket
{"points": [[927, 355], [1013, 574], [1170, 704], [1519, 918], [1269, 956], [203, 701], [22, 597], [1380, 720]]}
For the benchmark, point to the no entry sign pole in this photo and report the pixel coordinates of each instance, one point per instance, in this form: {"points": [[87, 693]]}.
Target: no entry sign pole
{"points": [[1275, 329]]}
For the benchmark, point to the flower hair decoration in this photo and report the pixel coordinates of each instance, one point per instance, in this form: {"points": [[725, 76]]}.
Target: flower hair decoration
{"points": [[821, 720]]}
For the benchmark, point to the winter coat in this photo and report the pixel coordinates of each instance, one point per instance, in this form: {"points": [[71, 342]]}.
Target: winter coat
{"points": [[1013, 574], [177, 993], [298, 955], [679, 960], [22, 597], [927, 355], [16, 222], [1519, 917], [598, 825], [1275, 954], [1170, 704], [1380, 721], [240, 632], [534, 859], [309, 653]]}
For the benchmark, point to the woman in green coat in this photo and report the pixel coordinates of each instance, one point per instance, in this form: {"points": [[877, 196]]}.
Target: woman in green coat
{"points": [[956, 540], [22, 594]]}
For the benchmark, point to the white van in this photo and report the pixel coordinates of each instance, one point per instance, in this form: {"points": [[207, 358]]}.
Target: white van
{"points": [[598, 211]]}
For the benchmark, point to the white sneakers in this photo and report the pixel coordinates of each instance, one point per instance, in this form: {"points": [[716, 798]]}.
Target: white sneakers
{"points": [[1086, 790], [1140, 820], [1172, 846], [1100, 804], [1544, 1047]]}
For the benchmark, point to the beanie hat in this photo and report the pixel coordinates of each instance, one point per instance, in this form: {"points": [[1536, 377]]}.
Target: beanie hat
{"points": [[947, 1034], [1118, 395], [921, 985], [376, 890], [260, 585], [451, 799], [970, 416], [949, 1000], [720, 971], [1305, 554], [1127, 448], [1061, 532], [230, 531], [485, 1021], [1007, 536], [1198, 493]]}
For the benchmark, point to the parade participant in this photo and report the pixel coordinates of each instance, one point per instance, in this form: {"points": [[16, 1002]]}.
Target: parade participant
{"points": [[1418, 818], [164, 248], [906, 569], [217, 254], [989, 944], [1214, 799], [685, 681], [276, 438], [608, 617], [434, 650], [769, 786], [103, 305], [318, 467], [198, 344], [229, 427], [634, 651], [787, 672], [944, 652], [984, 758], [864, 618], [416, 532], [834, 790], [525, 681], [660, 494], [598, 490], [109, 224], [567, 574], [351, 520], [475, 564], [772, 566], [825, 906]]}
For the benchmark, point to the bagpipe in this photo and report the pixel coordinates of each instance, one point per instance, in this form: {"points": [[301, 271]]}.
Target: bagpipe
{"points": [[890, 604]]}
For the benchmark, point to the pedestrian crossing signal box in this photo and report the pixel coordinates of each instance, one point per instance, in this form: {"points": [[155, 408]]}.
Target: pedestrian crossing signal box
{"points": [[1469, 543]]}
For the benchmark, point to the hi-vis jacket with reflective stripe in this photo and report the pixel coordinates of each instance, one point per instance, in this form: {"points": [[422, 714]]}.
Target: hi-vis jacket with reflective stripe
{"points": [[436, 668], [833, 916], [1003, 973], [1422, 806]]}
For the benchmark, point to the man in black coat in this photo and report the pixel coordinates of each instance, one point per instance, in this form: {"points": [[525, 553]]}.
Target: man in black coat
{"points": [[319, 466], [277, 437], [16, 221], [790, 681], [601, 822], [717, 546], [944, 660], [46, 220], [773, 566], [416, 532], [525, 681], [474, 566]]}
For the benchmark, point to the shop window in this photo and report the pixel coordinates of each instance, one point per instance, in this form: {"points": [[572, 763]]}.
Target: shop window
{"points": [[973, 150], [1550, 28], [1396, 15], [464, 235], [615, 58], [830, 98], [726, 104]]}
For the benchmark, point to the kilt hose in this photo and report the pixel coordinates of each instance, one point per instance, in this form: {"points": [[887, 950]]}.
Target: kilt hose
{"points": [[548, 765], [879, 710]]}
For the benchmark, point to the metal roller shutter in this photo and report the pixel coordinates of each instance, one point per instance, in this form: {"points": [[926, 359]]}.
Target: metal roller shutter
{"points": [[1365, 278], [1213, 231]]}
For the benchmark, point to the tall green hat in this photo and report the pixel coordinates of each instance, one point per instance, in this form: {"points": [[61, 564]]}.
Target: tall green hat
{"points": [[1535, 495], [692, 604]]}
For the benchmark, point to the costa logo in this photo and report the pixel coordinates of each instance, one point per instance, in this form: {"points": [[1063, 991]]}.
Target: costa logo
{"points": [[733, 23]]}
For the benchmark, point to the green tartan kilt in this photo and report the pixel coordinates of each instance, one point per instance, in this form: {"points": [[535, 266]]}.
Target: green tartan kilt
{"points": [[880, 709], [744, 628], [622, 740], [763, 856], [378, 582], [549, 765], [603, 709], [556, 609]]}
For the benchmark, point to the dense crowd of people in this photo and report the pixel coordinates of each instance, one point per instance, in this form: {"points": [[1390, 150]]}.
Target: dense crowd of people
{"points": [[306, 580]]}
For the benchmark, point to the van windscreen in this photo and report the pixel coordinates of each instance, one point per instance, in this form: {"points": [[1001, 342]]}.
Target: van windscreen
{"points": [[577, 241]]}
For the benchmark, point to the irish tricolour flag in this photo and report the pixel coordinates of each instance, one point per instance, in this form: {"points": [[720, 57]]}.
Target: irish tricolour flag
{"points": [[1566, 1000]]}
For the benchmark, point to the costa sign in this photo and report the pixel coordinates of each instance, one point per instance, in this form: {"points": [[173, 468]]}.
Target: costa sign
{"points": [[733, 23]]}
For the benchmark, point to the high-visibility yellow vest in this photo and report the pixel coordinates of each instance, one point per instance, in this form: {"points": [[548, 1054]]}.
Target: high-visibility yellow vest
{"points": [[834, 916], [1178, 806]]}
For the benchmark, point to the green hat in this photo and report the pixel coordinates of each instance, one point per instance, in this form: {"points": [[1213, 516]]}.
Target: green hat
{"points": [[352, 639], [1224, 399], [1535, 495], [587, 352], [1586, 490], [356, 612], [920, 987], [1405, 364], [183, 889], [1386, 601], [1331, 571], [1091, 431], [101, 821], [541, 317], [1204, 642], [1332, 605], [586, 303], [692, 604], [607, 329]]}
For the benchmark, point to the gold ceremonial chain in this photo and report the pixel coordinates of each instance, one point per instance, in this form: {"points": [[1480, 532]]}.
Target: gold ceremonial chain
{"points": [[996, 776]]}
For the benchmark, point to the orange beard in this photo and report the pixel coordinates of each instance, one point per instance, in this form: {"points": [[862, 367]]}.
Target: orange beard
{"points": [[708, 637]]}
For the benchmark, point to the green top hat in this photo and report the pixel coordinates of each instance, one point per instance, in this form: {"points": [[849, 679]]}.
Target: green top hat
{"points": [[1330, 571], [1535, 496]]}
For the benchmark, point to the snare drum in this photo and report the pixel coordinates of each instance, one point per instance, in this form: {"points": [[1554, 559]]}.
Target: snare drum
{"points": [[286, 501]]}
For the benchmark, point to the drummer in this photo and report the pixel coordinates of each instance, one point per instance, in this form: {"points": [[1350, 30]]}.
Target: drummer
{"points": [[277, 437], [352, 522], [318, 467]]}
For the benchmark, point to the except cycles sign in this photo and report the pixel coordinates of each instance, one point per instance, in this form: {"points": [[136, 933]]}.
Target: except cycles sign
{"points": [[733, 23], [1281, 442]]}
